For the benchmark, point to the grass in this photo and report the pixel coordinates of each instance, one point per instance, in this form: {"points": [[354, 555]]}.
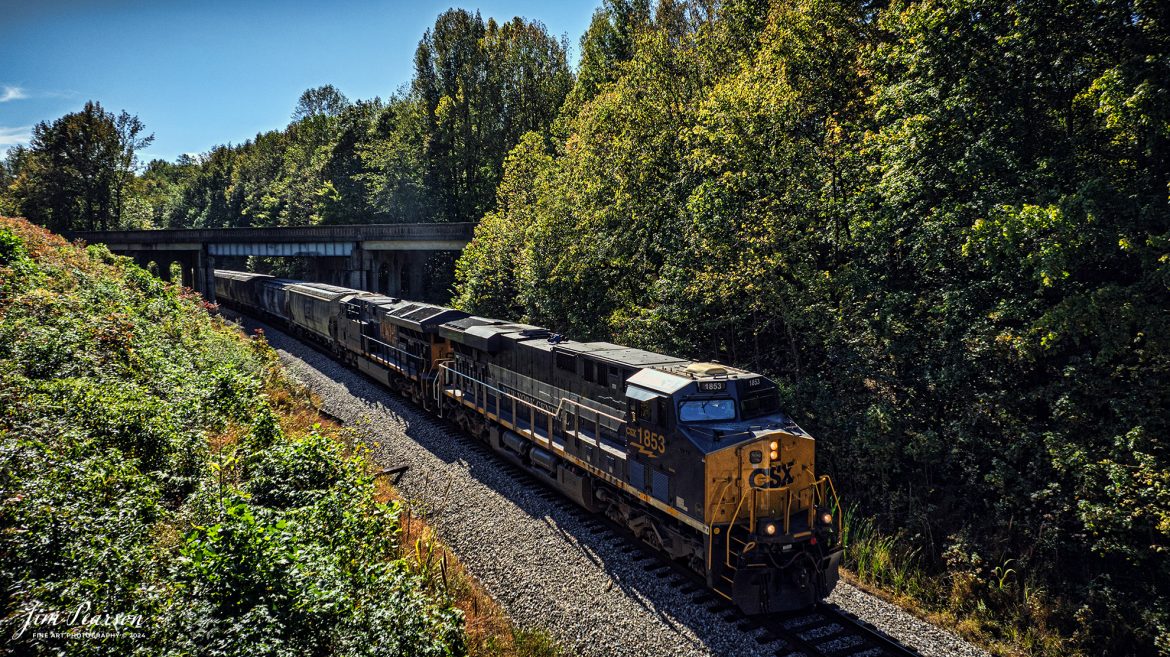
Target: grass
{"points": [[994, 606]]}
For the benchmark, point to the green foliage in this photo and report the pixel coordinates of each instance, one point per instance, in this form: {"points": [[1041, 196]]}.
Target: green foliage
{"points": [[478, 87], [295, 473], [14, 257], [77, 170], [127, 487], [941, 225], [881, 559], [489, 270]]}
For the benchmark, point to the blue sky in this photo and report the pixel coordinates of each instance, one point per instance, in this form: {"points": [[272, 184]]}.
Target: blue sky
{"points": [[210, 72]]}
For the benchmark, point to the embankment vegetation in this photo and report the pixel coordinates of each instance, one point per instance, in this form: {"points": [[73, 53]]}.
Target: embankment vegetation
{"points": [[160, 472]]}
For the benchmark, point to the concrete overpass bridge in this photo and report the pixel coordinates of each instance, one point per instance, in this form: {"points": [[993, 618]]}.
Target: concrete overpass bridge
{"points": [[395, 259]]}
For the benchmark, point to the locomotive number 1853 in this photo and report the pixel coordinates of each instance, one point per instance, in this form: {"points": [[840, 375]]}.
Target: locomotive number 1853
{"points": [[649, 443]]}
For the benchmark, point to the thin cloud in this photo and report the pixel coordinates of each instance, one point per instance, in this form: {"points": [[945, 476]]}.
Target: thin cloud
{"points": [[15, 136], [12, 93], [58, 94]]}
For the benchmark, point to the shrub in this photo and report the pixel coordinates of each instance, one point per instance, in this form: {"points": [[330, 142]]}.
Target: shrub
{"points": [[116, 501]]}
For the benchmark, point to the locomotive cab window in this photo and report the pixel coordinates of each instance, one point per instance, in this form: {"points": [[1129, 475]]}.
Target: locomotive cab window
{"points": [[706, 410], [759, 403], [645, 406]]}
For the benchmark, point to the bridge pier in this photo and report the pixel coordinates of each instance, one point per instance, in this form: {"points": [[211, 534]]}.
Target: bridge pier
{"points": [[205, 275], [357, 273]]}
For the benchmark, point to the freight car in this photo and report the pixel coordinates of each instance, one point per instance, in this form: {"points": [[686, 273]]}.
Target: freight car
{"points": [[696, 459], [240, 285]]}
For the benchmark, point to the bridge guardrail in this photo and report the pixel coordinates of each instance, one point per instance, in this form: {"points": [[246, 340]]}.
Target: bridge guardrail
{"points": [[354, 232]]}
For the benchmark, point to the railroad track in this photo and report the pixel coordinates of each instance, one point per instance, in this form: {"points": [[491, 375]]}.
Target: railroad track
{"points": [[822, 631], [829, 631]]}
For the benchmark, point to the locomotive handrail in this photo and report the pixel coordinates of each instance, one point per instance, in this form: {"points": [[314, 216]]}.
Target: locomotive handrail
{"points": [[443, 366], [566, 400], [836, 507], [821, 488], [711, 527], [734, 516], [405, 353], [788, 510], [438, 383], [562, 401]]}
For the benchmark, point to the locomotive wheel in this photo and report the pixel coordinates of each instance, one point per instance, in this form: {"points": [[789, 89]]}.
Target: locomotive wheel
{"points": [[651, 538]]}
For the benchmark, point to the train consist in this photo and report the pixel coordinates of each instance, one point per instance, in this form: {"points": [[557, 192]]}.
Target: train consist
{"points": [[696, 459]]}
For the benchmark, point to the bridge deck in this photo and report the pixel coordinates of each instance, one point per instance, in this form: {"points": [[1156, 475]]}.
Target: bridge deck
{"points": [[439, 235], [386, 258]]}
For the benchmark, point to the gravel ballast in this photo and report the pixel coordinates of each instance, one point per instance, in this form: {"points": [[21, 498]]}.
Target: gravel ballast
{"points": [[548, 565]]}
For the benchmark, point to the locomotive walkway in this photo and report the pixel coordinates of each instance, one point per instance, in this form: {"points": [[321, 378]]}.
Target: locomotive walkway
{"points": [[386, 258]]}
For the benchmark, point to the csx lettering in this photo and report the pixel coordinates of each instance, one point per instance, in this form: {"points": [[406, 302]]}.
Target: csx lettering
{"points": [[777, 476], [646, 441]]}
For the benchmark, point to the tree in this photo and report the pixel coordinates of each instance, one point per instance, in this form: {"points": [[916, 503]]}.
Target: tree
{"points": [[391, 163], [606, 44], [77, 169], [160, 187], [489, 273], [324, 100], [131, 141], [478, 88], [940, 224], [14, 166]]}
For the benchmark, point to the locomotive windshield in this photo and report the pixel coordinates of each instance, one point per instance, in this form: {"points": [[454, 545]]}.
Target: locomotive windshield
{"points": [[759, 403], [706, 410]]}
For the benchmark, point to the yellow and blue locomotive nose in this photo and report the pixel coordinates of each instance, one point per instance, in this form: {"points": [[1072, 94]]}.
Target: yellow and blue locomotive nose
{"points": [[769, 543]]}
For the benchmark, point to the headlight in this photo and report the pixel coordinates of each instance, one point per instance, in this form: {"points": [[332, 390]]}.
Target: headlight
{"points": [[774, 446], [773, 455], [826, 518], [770, 529]]}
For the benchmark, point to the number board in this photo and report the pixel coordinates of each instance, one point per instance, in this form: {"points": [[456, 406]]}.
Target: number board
{"points": [[712, 386]]}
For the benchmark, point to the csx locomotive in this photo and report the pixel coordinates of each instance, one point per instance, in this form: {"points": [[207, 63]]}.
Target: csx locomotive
{"points": [[696, 459]]}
